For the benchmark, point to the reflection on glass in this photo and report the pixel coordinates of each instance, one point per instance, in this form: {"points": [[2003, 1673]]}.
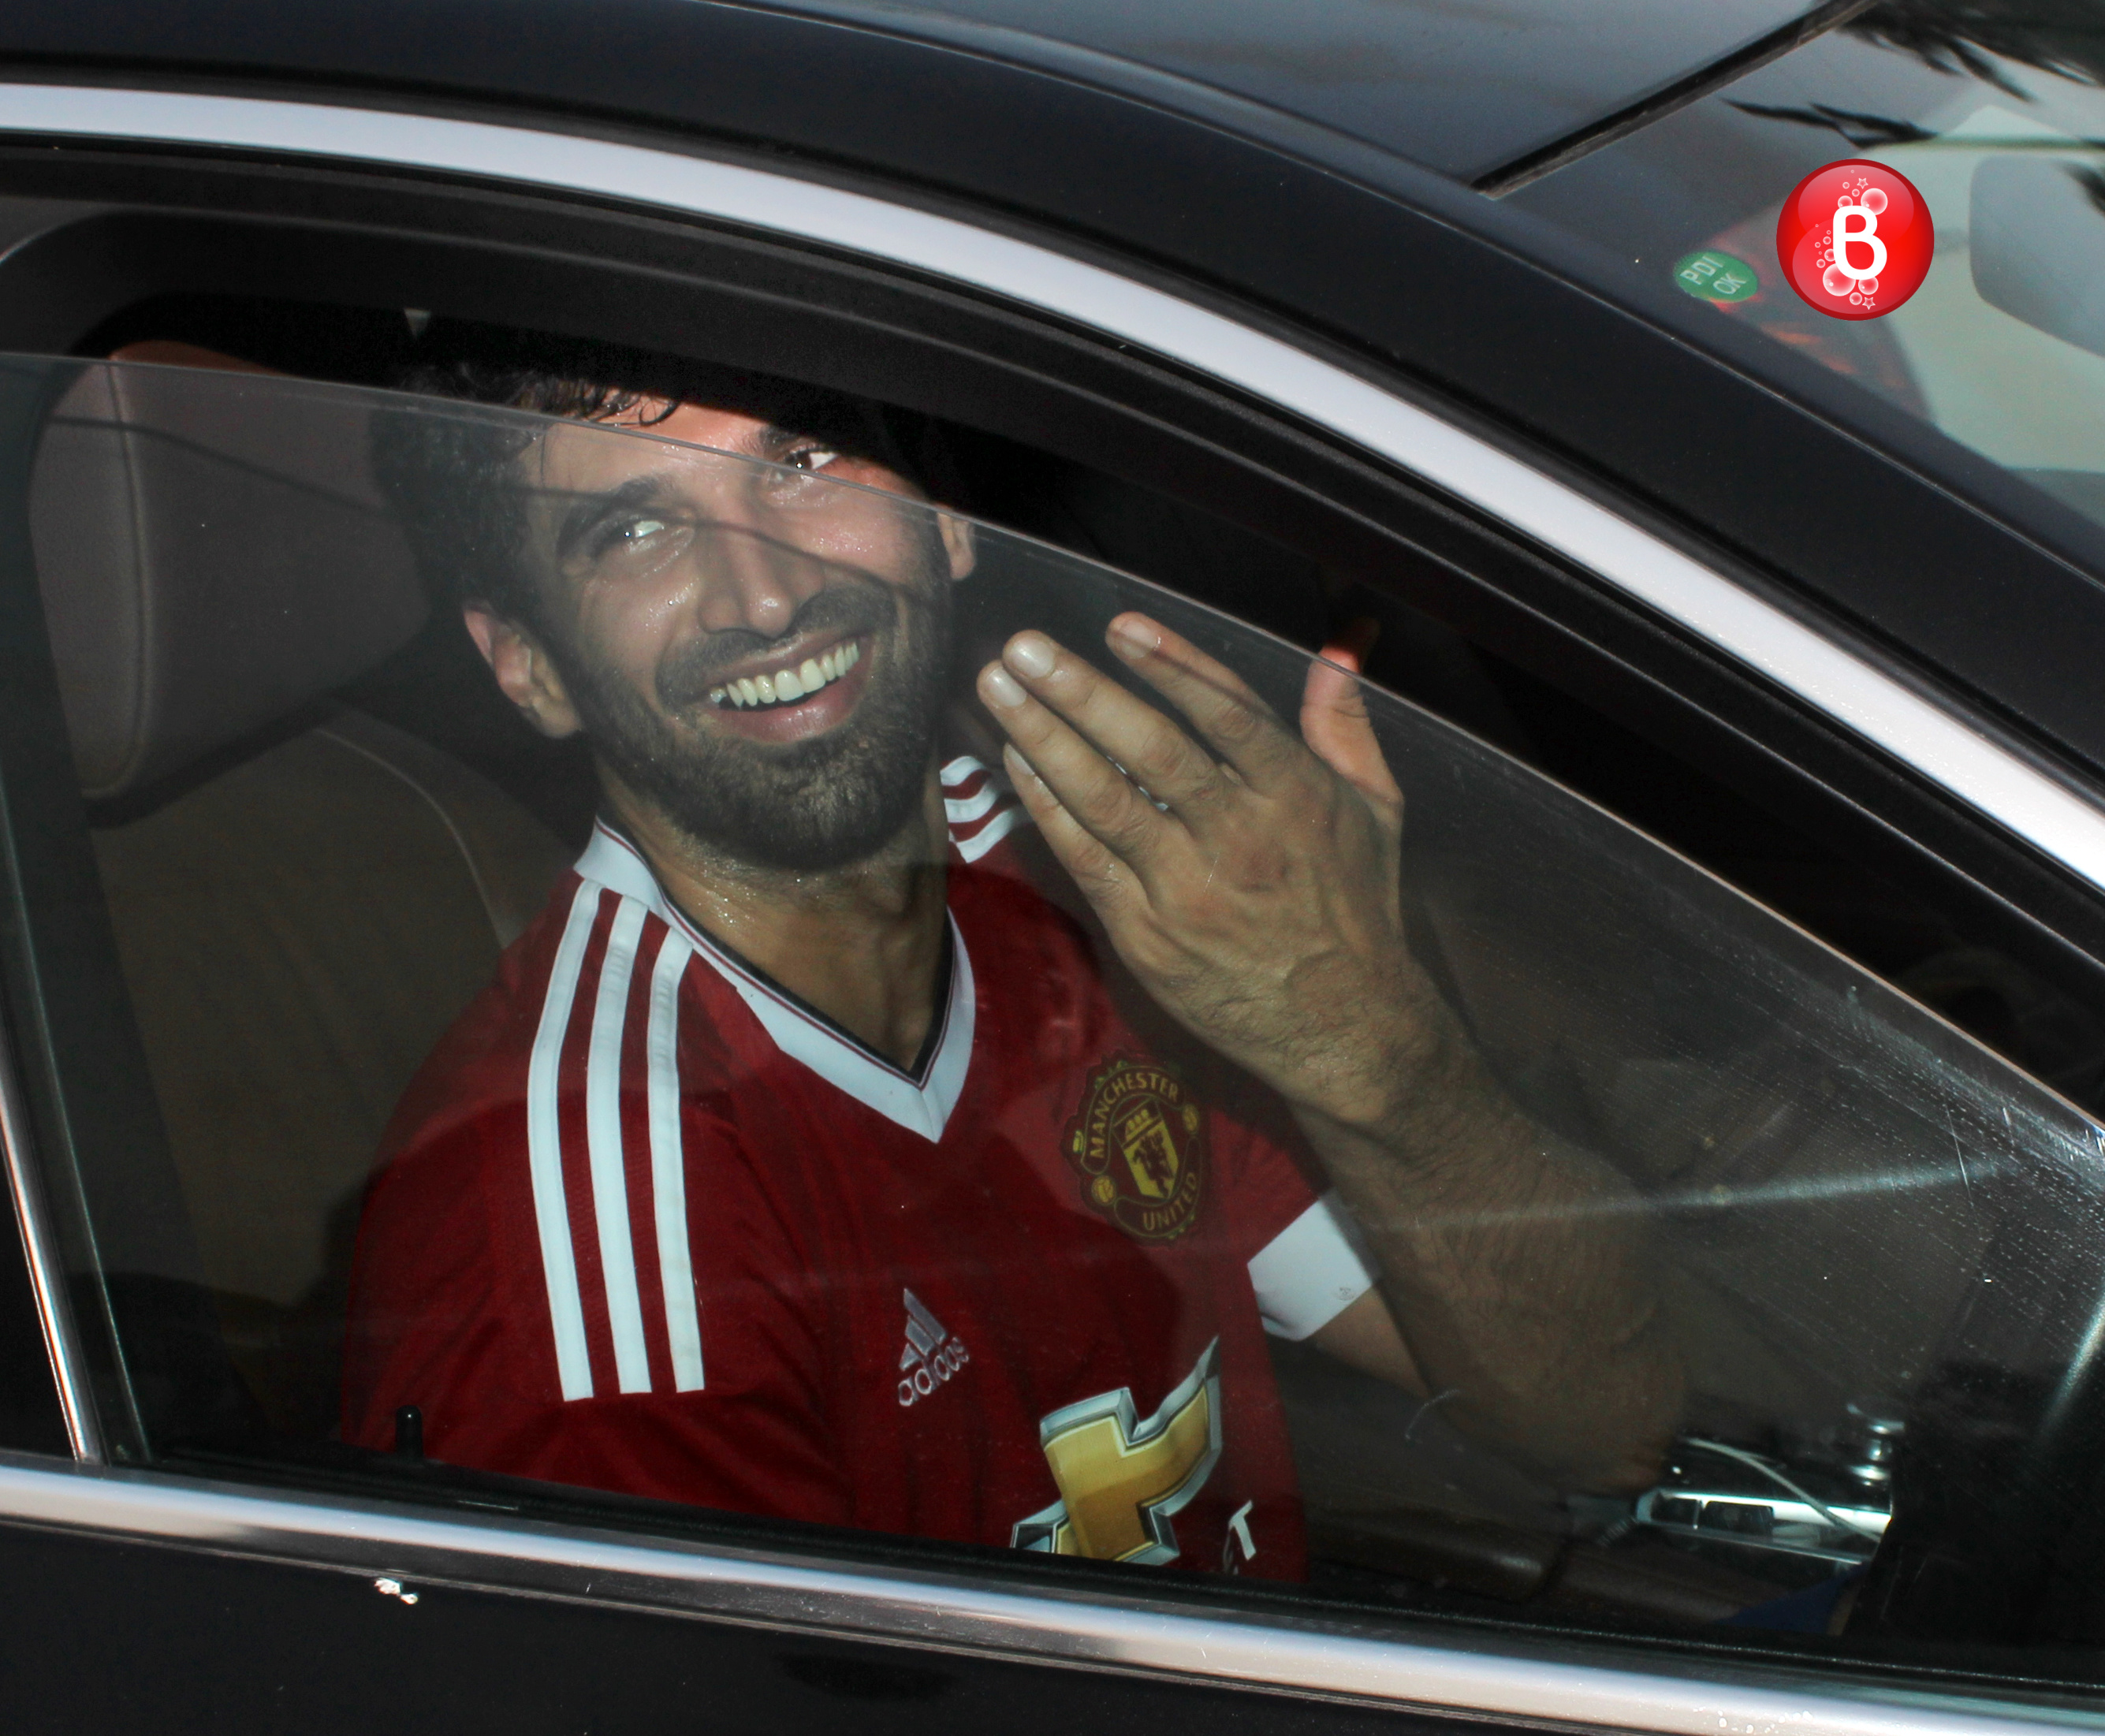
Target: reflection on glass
{"points": [[1994, 114], [1021, 1059]]}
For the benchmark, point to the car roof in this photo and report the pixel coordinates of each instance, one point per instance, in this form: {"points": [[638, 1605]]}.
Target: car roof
{"points": [[1466, 88]]}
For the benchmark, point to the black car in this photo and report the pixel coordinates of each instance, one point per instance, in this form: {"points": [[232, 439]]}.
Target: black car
{"points": [[1738, 667]]}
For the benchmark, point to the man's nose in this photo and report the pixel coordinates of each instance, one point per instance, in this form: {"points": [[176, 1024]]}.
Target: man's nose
{"points": [[752, 579]]}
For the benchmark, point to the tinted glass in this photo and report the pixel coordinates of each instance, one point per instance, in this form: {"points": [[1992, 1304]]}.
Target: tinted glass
{"points": [[1993, 113], [1018, 1061]]}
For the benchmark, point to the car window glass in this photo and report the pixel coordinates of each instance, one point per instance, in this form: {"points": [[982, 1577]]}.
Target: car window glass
{"points": [[1261, 1129], [1958, 958]]}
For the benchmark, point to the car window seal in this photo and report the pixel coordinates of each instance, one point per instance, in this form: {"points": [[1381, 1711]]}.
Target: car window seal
{"points": [[46, 1269]]}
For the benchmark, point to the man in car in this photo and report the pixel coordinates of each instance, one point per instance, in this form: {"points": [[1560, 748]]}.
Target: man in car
{"points": [[802, 1160]]}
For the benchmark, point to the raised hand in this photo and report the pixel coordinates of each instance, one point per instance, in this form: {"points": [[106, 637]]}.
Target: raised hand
{"points": [[1248, 878]]}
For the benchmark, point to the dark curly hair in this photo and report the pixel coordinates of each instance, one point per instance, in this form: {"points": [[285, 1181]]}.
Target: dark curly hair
{"points": [[453, 477]]}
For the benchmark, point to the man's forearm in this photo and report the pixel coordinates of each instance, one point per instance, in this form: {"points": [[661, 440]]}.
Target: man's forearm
{"points": [[1518, 1269], [1250, 878]]}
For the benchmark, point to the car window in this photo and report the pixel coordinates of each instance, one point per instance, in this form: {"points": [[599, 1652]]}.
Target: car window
{"points": [[1685, 789], [1019, 1061], [1995, 121]]}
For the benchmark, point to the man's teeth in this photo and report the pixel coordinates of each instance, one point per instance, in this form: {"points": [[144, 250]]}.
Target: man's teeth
{"points": [[786, 685]]}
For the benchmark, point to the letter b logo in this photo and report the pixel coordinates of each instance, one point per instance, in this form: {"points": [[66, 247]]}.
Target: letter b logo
{"points": [[1857, 226], [1855, 240]]}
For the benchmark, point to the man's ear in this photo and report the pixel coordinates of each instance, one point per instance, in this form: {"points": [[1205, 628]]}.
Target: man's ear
{"points": [[958, 544], [525, 671]]}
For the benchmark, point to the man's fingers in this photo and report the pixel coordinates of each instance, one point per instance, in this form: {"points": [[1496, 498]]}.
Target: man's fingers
{"points": [[1100, 875], [1124, 727], [1233, 721], [1086, 785], [1334, 721]]}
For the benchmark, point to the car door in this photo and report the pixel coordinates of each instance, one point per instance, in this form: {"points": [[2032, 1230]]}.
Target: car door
{"points": [[1784, 1113]]}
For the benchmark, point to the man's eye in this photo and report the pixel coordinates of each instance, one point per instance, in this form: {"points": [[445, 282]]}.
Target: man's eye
{"points": [[635, 544], [811, 458], [629, 536]]}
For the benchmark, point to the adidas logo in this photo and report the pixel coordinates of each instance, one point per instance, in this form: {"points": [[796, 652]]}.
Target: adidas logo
{"points": [[932, 1356]]}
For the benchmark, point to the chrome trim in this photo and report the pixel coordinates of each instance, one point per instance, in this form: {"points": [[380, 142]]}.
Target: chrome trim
{"points": [[426, 1553], [47, 1280], [2056, 818]]}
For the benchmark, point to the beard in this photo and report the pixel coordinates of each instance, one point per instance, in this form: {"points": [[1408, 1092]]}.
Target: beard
{"points": [[807, 806]]}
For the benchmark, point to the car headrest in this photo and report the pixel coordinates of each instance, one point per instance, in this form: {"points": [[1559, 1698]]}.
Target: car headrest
{"points": [[214, 555]]}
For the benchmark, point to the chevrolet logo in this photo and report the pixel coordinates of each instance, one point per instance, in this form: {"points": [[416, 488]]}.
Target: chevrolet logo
{"points": [[1121, 1479]]}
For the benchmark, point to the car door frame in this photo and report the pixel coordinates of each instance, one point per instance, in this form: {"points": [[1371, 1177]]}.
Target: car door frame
{"points": [[1936, 739]]}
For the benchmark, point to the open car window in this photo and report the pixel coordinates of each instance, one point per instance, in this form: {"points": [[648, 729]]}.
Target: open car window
{"points": [[395, 1141]]}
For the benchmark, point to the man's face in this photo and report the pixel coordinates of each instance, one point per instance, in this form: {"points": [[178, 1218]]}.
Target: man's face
{"points": [[759, 652]]}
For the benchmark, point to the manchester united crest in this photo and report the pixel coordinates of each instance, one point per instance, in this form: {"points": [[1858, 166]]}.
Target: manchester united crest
{"points": [[1139, 1144]]}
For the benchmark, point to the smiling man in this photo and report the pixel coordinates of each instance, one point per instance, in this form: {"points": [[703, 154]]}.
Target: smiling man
{"points": [[800, 1161]]}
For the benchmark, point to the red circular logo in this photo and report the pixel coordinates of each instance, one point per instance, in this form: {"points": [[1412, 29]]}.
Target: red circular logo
{"points": [[1855, 240]]}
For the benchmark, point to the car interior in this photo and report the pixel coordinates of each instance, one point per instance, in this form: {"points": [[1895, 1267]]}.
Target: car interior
{"points": [[316, 826]]}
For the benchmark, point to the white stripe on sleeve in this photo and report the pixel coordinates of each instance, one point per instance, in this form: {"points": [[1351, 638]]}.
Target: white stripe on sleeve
{"points": [[544, 1150], [669, 1169], [610, 1173], [1312, 1271]]}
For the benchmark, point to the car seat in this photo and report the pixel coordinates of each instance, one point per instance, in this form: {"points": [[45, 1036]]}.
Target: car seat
{"points": [[303, 897]]}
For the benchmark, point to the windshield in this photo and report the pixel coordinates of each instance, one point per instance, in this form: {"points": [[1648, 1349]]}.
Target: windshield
{"points": [[1996, 115]]}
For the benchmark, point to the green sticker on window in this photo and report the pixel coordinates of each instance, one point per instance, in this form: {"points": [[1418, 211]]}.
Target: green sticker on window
{"points": [[1716, 277]]}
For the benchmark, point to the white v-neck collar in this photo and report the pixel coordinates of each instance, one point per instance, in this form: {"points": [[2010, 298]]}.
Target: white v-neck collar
{"points": [[920, 1105]]}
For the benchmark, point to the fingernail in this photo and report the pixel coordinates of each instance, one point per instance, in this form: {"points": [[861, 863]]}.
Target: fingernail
{"points": [[1132, 638], [1031, 653], [1019, 768], [999, 687]]}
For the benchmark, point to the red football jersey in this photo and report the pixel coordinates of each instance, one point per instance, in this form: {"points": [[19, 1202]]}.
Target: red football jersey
{"points": [[647, 1223]]}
